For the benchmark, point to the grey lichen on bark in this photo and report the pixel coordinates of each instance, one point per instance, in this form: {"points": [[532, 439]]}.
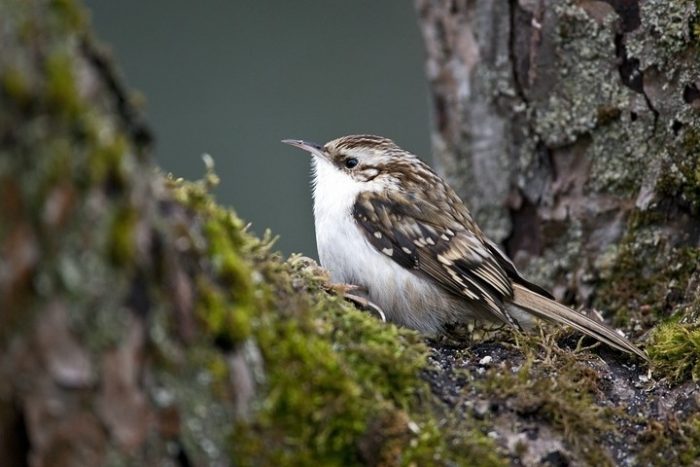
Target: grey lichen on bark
{"points": [[571, 129], [560, 120], [470, 73], [140, 323]]}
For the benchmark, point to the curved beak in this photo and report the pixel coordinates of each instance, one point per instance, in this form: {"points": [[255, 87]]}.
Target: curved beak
{"points": [[313, 148]]}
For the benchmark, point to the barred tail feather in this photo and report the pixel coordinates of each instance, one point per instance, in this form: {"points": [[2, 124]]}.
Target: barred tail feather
{"points": [[549, 310]]}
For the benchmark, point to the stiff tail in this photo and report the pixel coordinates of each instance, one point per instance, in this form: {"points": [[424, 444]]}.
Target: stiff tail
{"points": [[549, 310]]}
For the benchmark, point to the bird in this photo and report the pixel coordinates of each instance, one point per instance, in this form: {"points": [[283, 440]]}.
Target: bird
{"points": [[388, 224]]}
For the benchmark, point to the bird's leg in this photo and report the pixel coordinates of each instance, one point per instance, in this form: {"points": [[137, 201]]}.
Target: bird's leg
{"points": [[357, 295]]}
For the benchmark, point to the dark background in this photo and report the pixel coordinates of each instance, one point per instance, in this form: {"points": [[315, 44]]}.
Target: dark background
{"points": [[233, 78]]}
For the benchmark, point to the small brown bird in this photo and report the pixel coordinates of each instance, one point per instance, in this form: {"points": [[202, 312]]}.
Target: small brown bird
{"points": [[387, 223]]}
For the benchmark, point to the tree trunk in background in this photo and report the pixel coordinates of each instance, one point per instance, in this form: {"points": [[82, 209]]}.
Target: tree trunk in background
{"points": [[572, 129]]}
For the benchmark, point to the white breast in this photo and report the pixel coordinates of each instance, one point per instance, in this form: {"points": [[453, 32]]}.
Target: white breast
{"points": [[343, 249]]}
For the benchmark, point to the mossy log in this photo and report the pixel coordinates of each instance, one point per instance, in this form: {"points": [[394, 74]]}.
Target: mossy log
{"points": [[141, 324]]}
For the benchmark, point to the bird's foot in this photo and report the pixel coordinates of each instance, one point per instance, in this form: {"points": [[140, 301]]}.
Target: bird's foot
{"points": [[357, 295], [365, 304]]}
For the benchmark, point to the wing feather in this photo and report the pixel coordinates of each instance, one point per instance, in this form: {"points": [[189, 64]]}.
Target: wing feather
{"points": [[438, 245]]}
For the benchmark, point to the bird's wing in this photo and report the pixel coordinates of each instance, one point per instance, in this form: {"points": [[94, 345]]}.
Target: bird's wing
{"points": [[437, 244], [445, 246], [512, 272]]}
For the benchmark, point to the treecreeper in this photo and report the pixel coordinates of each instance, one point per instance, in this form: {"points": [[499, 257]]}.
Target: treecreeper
{"points": [[391, 226]]}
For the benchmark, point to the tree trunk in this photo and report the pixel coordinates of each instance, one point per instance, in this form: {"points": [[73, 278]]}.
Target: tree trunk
{"points": [[573, 131], [141, 325]]}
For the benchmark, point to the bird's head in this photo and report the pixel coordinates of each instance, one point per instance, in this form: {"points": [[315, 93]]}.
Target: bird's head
{"points": [[362, 158]]}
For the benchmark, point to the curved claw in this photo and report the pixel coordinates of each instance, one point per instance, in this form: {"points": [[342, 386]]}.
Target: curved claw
{"points": [[366, 304]]}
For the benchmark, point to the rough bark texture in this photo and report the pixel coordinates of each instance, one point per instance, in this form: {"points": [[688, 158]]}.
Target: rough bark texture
{"points": [[572, 128], [569, 126], [140, 324]]}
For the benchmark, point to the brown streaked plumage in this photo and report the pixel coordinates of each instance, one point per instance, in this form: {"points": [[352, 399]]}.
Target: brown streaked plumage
{"points": [[385, 221]]}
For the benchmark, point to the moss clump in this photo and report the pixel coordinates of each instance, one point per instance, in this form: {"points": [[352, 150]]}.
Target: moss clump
{"points": [[227, 321], [15, 85], [557, 388], [62, 94], [105, 160], [674, 349], [671, 443], [648, 277], [223, 237], [73, 15], [346, 389], [339, 387], [227, 306], [122, 236]]}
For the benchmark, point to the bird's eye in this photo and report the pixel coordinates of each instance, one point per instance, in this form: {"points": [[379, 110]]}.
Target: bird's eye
{"points": [[350, 162]]}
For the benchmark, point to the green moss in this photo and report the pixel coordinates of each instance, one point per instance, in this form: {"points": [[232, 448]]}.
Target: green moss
{"points": [[74, 16], [227, 320], [340, 387], [62, 95], [222, 233], [674, 349], [345, 388], [121, 244], [648, 276], [15, 86], [334, 373], [671, 443], [313, 410], [196, 195], [559, 390], [106, 158], [227, 304]]}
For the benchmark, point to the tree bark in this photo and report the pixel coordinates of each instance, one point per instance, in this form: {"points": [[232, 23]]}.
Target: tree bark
{"points": [[140, 324], [572, 130]]}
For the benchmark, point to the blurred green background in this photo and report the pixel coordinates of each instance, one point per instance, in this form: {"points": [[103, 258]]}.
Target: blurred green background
{"points": [[234, 78]]}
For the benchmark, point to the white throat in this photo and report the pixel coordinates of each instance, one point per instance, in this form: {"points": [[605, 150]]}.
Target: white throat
{"points": [[345, 252], [337, 235], [334, 196], [334, 192]]}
